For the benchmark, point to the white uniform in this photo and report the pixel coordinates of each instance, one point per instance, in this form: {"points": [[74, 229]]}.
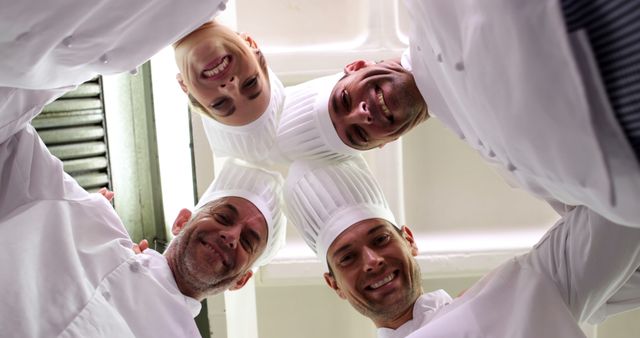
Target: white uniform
{"points": [[505, 76], [583, 268], [52, 44], [61, 44], [67, 268]]}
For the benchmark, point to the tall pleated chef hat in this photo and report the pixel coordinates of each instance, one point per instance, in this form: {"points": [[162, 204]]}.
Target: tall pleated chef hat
{"points": [[263, 188], [305, 130], [252, 142], [324, 198]]}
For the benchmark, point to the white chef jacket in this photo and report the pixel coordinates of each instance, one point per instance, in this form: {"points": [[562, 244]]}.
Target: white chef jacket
{"points": [[584, 267], [425, 307], [59, 45], [52, 44], [67, 268], [506, 77]]}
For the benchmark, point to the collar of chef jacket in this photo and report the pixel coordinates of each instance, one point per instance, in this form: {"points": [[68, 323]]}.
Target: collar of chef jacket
{"points": [[424, 309], [158, 267]]}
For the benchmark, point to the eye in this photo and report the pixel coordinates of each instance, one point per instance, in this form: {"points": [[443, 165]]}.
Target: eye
{"points": [[220, 103], [382, 239], [222, 218], [250, 82], [246, 244], [362, 137], [346, 99], [346, 259]]}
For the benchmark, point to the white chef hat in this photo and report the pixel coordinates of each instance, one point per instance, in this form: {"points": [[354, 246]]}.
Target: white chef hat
{"points": [[326, 198], [306, 130], [263, 188], [251, 142]]}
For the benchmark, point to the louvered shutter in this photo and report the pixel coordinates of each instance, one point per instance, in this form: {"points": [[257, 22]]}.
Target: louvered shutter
{"points": [[73, 128]]}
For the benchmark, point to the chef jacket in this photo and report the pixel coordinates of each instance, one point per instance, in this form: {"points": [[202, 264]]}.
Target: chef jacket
{"points": [[53, 44], [585, 267], [506, 77], [67, 268], [59, 45]]}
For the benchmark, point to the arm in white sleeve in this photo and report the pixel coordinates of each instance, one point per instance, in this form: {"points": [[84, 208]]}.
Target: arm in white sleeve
{"points": [[591, 260]]}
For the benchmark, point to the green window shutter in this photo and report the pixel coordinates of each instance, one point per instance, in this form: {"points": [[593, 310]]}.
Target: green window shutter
{"points": [[73, 128]]}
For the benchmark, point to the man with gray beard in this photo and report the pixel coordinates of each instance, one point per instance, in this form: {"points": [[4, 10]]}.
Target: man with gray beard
{"points": [[68, 260]]}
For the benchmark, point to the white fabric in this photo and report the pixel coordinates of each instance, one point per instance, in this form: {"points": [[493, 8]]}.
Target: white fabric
{"points": [[253, 142], [424, 309], [326, 198], [584, 263], [57, 46], [263, 188], [67, 265], [305, 130], [47, 44], [507, 78]]}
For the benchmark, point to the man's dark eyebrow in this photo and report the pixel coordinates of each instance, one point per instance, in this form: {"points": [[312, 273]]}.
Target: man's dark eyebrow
{"points": [[334, 104], [375, 228], [232, 208], [342, 249]]}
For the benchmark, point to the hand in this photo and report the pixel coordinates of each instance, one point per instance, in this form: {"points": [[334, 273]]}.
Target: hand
{"points": [[142, 246], [107, 194]]}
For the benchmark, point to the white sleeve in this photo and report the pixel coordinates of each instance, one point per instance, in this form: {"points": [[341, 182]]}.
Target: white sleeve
{"points": [[28, 173], [590, 259]]}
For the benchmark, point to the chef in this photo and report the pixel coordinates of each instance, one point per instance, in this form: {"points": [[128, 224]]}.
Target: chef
{"points": [[59, 47], [583, 268], [67, 265], [546, 90]]}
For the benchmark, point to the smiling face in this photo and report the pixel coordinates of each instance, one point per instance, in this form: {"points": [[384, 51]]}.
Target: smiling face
{"points": [[372, 266], [224, 74], [375, 103], [214, 250]]}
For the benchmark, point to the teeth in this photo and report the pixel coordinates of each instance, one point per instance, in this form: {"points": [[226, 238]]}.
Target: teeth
{"points": [[385, 109], [383, 282], [217, 69]]}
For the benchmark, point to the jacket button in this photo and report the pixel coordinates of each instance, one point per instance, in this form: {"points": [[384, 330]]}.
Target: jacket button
{"points": [[222, 6], [134, 267], [22, 37], [134, 71], [480, 143], [439, 57], [106, 295], [104, 59], [492, 154], [511, 167], [459, 66], [68, 41], [419, 48]]}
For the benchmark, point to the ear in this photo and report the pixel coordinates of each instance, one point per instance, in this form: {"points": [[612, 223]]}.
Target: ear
{"points": [[249, 40], [183, 217], [181, 83], [357, 65], [408, 236], [331, 282], [242, 281]]}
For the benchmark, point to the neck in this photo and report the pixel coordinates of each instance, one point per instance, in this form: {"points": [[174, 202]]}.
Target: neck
{"points": [[183, 286], [396, 321]]}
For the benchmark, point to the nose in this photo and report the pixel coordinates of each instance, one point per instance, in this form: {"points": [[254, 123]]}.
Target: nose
{"points": [[372, 260], [229, 237], [231, 82], [361, 114]]}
